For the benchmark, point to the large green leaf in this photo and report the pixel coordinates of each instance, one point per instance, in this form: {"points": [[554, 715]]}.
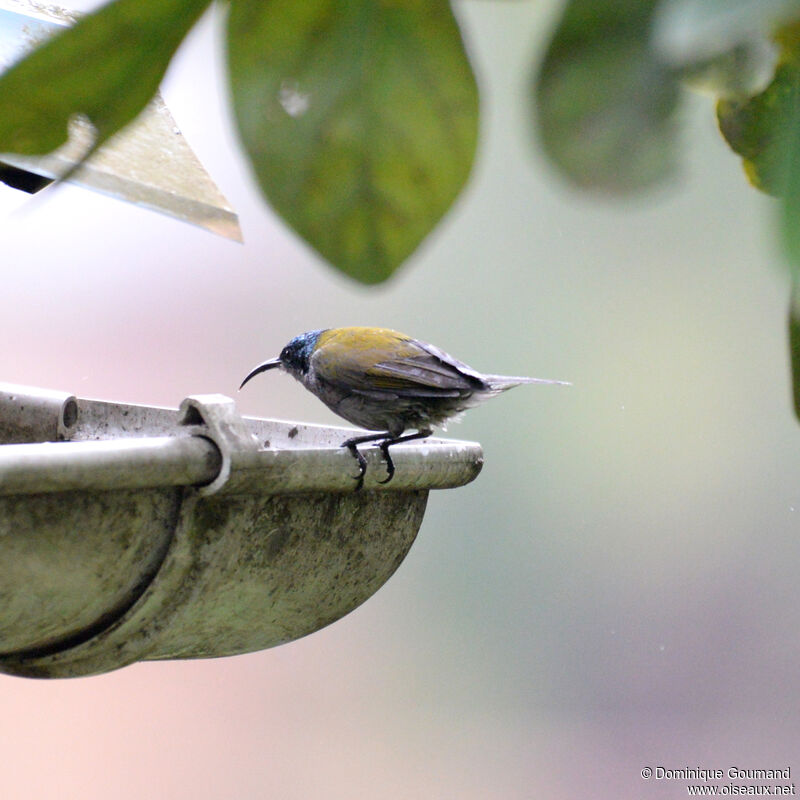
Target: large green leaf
{"points": [[604, 99], [359, 117], [107, 67]]}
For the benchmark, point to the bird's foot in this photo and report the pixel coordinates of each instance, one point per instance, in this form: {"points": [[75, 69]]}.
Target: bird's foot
{"points": [[351, 445], [384, 448], [384, 442]]}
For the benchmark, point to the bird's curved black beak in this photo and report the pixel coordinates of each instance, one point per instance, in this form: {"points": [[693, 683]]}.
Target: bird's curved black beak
{"points": [[263, 367]]}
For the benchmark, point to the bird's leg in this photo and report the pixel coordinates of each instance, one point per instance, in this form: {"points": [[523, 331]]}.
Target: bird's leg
{"points": [[352, 446], [387, 443]]}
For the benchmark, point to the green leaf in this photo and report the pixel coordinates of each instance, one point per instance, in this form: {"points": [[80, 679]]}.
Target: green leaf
{"points": [[765, 131], [794, 345], [605, 101], [360, 118], [107, 66], [762, 128]]}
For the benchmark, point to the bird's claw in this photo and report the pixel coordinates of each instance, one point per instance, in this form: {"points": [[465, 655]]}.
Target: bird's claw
{"points": [[362, 464], [384, 448], [384, 442]]}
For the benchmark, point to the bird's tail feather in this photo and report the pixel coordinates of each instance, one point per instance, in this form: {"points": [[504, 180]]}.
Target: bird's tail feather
{"points": [[500, 383]]}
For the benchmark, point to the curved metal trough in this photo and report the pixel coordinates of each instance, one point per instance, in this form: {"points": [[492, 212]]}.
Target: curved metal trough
{"points": [[133, 533]]}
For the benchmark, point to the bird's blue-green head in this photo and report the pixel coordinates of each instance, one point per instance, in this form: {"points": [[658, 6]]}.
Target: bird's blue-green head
{"points": [[294, 358], [296, 355]]}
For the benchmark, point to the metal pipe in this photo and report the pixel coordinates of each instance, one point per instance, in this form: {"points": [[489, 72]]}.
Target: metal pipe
{"points": [[29, 414], [443, 465], [144, 462], [133, 463]]}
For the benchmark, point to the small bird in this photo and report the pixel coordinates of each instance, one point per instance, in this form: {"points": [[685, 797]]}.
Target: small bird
{"points": [[385, 381]]}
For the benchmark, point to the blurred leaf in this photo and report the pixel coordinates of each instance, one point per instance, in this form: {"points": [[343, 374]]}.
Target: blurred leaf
{"points": [[107, 66], [794, 345], [605, 102], [360, 118], [687, 32], [759, 129], [742, 70], [765, 131]]}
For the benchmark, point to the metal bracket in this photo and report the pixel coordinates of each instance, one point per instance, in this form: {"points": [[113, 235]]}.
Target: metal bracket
{"points": [[215, 417]]}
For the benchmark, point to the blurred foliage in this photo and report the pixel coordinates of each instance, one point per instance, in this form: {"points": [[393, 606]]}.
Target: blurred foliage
{"points": [[764, 129], [107, 67], [794, 344], [607, 90], [360, 117], [604, 98]]}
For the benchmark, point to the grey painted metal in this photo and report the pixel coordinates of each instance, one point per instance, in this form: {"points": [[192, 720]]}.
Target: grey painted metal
{"points": [[261, 541], [71, 564], [236, 443], [122, 464], [196, 461], [30, 414]]}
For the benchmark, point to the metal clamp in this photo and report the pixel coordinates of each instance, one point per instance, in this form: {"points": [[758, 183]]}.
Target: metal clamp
{"points": [[215, 417]]}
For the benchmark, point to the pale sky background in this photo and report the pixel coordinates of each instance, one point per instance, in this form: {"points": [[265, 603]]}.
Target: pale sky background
{"points": [[617, 590]]}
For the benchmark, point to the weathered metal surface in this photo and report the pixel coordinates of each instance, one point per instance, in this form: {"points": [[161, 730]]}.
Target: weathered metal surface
{"points": [[216, 416], [30, 414], [299, 566], [243, 574], [116, 464], [70, 563], [267, 544]]}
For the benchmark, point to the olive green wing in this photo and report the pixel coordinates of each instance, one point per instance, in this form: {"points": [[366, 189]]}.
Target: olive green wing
{"points": [[379, 361]]}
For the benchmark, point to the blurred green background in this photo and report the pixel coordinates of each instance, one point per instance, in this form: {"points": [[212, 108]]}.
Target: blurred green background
{"points": [[617, 590]]}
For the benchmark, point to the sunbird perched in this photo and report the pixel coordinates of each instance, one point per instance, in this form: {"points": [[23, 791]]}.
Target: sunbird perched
{"points": [[385, 381]]}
